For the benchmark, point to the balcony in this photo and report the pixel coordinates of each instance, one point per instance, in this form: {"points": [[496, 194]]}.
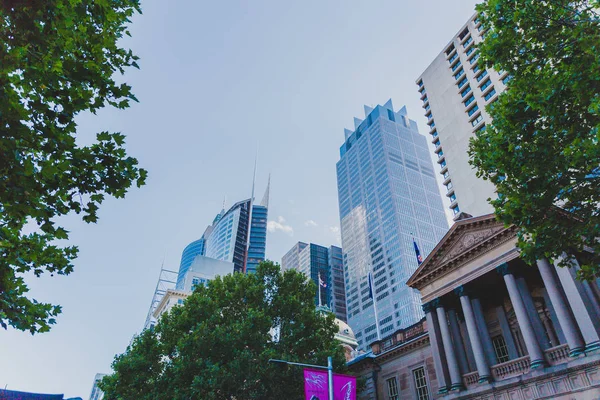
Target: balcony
{"points": [[520, 366], [516, 367], [558, 354]]}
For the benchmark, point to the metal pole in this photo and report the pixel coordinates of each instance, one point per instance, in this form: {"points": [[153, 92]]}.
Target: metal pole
{"points": [[330, 377]]}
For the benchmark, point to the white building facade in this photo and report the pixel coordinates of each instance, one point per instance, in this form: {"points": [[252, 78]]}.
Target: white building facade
{"points": [[455, 89]]}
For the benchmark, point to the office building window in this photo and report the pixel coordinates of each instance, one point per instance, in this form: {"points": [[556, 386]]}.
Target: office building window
{"points": [[455, 67], [486, 84], [422, 391], [459, 74], [456, 210], [470, 51], [469, 100], [392, 387], [465, 91], [490, 94], [477, 120], [473, 59], [473, 110], [452, 197], [482, 75], [454, 57], [462, 82]]}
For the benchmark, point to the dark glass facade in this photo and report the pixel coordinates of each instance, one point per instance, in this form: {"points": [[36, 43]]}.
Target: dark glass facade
{"points": [[190, 252], [258, 238]]}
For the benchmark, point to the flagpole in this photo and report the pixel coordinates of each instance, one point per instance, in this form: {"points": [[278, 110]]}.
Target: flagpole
{"points": [[319, 289], [372, 284]]}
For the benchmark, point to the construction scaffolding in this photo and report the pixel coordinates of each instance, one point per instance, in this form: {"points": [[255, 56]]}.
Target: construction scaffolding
{"points": [[166, 280]]}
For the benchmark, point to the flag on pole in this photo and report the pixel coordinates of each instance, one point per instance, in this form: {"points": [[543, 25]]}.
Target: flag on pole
{"points": [[322, 282], [370, 286], [417, 252]]}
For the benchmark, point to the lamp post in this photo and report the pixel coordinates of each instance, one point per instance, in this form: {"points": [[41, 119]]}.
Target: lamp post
{"points": [[329, 369]]}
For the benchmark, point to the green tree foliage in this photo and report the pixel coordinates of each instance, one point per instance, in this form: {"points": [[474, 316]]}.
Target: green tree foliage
{"points": [[218, 343], [57, 59], [542, 149]]}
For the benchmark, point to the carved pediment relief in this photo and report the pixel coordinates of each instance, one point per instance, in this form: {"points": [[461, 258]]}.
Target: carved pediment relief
{"points": [[465, 242]]}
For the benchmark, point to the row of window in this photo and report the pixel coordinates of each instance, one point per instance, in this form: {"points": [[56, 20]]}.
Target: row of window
{"points": [[420, 388]]}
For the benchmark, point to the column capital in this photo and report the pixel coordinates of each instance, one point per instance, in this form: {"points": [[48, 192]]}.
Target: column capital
{"points": [[504, 269], [432, 305], [461, 291], [428, 307]]}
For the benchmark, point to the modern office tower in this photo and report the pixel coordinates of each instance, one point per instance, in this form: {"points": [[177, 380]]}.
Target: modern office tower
{"points": [[455, 89], [335, 282], [388, 198], [196, 248], [97, 394], [231, 238], [258, 233], [202, 270], [323, 264], [291, 259]]}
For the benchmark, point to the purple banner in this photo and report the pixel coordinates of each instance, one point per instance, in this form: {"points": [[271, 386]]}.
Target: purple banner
{"points": [[315, 385]]}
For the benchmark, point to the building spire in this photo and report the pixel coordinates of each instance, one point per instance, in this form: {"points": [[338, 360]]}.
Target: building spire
{"points": [[265, 199]]}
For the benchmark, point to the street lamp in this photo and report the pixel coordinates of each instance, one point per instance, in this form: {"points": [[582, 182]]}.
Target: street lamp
{"points": [[329, 369]]}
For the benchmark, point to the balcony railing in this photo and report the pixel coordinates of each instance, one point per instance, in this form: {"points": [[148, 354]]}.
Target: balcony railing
{"points": [[471, 378], [558, 354], [516, 367]]}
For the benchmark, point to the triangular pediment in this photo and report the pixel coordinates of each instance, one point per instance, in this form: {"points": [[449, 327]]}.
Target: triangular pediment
{"points": [[465, 239]]}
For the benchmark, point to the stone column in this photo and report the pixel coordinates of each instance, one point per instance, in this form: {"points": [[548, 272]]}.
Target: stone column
{"points": [[453, 369], [555, 323], [437, 348], [580, 311], [470, 356], [567, 324], [482, 367], [533, 347], [484, 333], [506, 333], [534, 317], [459, 347]]}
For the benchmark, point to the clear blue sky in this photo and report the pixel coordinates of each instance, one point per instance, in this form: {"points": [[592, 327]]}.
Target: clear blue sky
{"points": [[217, 78]]}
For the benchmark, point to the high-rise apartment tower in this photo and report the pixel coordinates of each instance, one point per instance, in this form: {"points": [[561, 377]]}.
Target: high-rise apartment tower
{"points": [[388, 198], [455, 89]]}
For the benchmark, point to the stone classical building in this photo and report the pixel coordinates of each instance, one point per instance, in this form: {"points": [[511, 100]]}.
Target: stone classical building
{"points": [[496, 328]]}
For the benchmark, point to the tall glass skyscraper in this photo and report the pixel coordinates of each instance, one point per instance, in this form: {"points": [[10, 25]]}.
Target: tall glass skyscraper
{"points": [[388, 197], [232, 238], [322, 262]]}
